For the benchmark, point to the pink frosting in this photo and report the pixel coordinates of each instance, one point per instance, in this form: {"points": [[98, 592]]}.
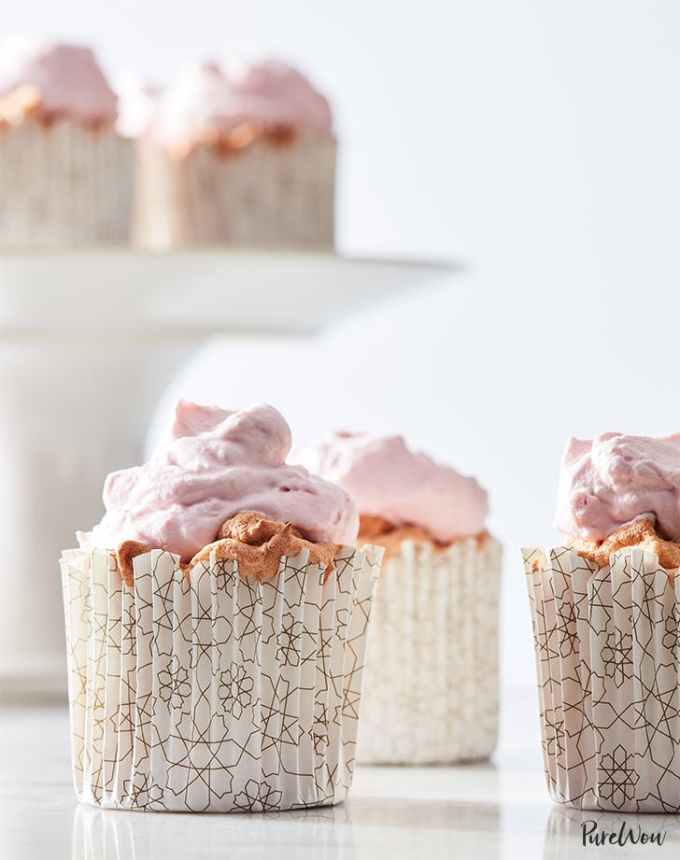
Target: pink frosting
{"points": [[206, 100], [387, 479], [214, 465], [67, 77], [606, 483], [275, 93]]}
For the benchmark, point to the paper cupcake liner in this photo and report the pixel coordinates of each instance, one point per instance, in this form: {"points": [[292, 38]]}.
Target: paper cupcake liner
{"points": [[64, 185], [208, 691], [266, 195], [431, 676], [607, 665]]}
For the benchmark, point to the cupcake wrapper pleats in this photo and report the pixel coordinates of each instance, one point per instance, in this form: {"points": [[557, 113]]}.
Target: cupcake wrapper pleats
{"points": [[266, 195], [431, 677], [207, 691], [64, 185], [607, 664]]}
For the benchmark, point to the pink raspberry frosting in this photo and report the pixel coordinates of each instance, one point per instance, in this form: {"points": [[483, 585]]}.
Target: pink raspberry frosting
{"points": [[613, 479], [385, 478], [277, 94], [216, 464], [67, 78], [206, 101]]}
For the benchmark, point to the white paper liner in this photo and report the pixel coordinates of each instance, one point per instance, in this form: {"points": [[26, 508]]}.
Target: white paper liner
{"points": [[431, 676], [64, 185], [212, 691], [267, 195], [607, 665]]}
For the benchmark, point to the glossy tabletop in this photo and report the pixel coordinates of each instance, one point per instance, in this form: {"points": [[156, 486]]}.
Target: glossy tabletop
{"points": [[494, 810]]}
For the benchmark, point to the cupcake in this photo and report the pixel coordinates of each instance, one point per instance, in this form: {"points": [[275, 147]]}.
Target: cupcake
{"points": [[65, 173], [431, 677], [605, 609], [243, 156], [216, 621]]}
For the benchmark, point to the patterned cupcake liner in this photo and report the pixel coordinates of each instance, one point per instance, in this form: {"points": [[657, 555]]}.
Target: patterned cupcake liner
{"points": [[266, 195], [64, 185], [208, 691], [607, 664], [431, 677]]}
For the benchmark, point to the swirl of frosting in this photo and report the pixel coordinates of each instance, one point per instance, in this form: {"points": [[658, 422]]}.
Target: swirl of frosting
{"points": [[609, 481], [205, 104], [386, 479], [67, 79], [216, 464]]}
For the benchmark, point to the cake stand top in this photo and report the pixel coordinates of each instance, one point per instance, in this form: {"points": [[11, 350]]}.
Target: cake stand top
{"points": [[198, 292]]}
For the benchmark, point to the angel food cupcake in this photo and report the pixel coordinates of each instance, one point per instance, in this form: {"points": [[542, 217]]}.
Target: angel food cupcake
{"points": [[605, 610], [65, 173], [431, 678], [216, 622], [243, 156]]}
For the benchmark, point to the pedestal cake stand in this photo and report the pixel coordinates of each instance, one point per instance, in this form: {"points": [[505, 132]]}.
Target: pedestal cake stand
{"points": [[88, 341]]}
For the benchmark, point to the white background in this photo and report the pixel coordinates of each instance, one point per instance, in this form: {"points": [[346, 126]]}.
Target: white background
{"points": [[540, 142]]}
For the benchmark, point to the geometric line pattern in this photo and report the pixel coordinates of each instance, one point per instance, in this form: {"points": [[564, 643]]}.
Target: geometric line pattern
{"points": [[609, 698], [205, 691], [431, 677]]}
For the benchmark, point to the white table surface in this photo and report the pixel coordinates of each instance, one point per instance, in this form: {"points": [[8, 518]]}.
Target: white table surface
{"points": [[494, 810]]}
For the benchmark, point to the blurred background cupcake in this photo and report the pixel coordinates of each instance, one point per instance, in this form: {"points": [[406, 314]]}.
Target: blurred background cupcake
{"points": [[431, 678], [605, 609], [238, 155], [65, 173]]}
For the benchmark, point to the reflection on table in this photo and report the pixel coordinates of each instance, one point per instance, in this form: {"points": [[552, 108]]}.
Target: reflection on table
{"points": [[569, 832], [365, 826]]}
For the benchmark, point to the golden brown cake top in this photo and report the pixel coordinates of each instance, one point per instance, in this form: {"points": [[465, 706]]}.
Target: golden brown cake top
{"points": [[255, 542], [378, 530], [26, 104], [641, 532]]}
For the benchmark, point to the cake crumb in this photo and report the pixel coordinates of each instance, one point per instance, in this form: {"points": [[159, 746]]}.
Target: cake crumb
{"points": [[375, 529], [640, 532], [125, 553]]}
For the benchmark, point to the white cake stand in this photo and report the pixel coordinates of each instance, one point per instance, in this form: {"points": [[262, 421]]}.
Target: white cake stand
{"points": [[88, 342]]}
